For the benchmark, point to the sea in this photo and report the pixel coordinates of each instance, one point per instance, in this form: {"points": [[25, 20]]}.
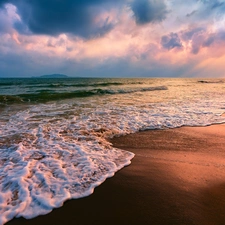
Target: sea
{"points": [[55, 133]]}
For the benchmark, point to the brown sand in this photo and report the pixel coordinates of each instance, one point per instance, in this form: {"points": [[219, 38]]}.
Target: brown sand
{"points": [[176, 178]]}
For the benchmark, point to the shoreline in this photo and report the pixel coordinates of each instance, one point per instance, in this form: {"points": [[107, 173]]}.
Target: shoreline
{"points": [[176, 177]]}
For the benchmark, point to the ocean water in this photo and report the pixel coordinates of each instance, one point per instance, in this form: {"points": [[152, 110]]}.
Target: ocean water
{"points": [[55, 133]]}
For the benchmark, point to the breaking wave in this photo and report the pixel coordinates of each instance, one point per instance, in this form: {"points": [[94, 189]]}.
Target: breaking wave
{"points": [[49, 95]]}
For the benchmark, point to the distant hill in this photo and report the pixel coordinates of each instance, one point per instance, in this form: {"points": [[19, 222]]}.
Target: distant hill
{"points": [[53, 76]]}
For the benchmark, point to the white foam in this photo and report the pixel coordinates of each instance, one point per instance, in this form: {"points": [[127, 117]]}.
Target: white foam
{"points": [[54, 152], [47, 159]]}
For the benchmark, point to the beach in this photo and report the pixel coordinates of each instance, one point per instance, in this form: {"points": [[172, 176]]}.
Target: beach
{"points": [[176, 177]]}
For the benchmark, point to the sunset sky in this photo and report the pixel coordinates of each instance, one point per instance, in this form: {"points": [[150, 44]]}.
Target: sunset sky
{"points": [[112, 38]]}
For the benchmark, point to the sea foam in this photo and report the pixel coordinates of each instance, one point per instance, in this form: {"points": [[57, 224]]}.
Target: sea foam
{"points": [[47, 158]]}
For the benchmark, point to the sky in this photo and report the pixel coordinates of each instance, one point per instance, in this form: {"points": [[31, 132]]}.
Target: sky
{"points": [[112, 38]]}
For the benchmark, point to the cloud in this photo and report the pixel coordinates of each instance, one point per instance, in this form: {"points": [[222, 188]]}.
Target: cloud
{"points": [[143, 37], [188, 34], [217, 4], [212, 9], [4, 22], [2, 2], [8, 17], [197, 38], [86, 19], [191, 14], [149, 11], [213, 4], [171, 41], [208, 41], [193, 39]]}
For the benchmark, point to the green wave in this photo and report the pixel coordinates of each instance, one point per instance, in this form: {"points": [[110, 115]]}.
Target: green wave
{"points": [[46, 95]]}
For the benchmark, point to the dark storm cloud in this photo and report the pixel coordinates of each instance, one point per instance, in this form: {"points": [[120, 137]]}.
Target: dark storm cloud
{"points": [[2, 2], [149, 11], [171, 41], [53, 17], [22, 28]]}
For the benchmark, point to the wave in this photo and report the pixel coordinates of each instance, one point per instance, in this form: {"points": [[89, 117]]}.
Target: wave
{"points": [[10, 83], [46, 95], [103, 84], [9, 99], [56, 83], [210, 81]]}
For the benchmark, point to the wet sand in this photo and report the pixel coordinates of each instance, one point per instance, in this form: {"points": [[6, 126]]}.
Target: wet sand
{"points": [[176, 178]]}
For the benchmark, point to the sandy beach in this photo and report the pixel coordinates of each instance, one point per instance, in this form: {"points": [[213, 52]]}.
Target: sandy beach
{"points": [[176, 177]]}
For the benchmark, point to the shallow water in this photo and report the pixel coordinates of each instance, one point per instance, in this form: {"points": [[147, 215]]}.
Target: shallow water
{"points": [[54, 132]]}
